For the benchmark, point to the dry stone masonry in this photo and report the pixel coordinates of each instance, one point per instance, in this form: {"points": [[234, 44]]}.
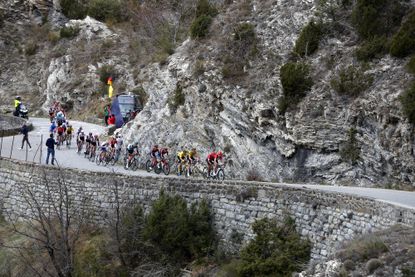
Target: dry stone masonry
{"points": [[325, 218]]}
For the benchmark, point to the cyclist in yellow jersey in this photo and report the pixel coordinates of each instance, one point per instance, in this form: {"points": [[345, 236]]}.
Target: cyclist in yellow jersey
{"points": [[181, 160], [191, 159]]}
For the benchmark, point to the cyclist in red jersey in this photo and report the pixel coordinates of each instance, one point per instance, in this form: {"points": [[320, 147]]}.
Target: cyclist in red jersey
{"points": [[212, 160], [155, 154]]}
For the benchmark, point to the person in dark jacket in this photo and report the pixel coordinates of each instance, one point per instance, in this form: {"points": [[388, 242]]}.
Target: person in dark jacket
{"points": [[50, 143], [25, 131]]}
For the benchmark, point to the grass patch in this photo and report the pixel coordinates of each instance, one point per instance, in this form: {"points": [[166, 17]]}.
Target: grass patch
{"points": [[177, 99], [69, 32], [31, 48], [205, 12], [141, 94], [363, 249]]}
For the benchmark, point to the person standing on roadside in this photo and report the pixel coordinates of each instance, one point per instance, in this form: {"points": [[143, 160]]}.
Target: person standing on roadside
{"points": [[25, 132], [50, 143], [107, 112]]}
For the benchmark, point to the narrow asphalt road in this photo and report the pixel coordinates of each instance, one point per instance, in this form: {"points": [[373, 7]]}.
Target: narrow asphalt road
{"points": [[67, 157]]}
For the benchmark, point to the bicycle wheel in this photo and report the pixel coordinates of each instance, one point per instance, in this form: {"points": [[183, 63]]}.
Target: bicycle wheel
{"points": [[99, 158], [166, 168], [148, 166], [205, 173], [220, 175], [158, 168], [134, 164]]}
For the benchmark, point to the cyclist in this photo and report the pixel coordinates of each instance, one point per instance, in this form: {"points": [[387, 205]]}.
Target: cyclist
{"points": [[52, 127], [104, 151], [155, 155], [94, 144], [164, 153], [118, 147], [80, 140], [213, 160], [132, 151], [60, 130], [88, 143], [69, 131], [79, 131], [181, 161], [192, 157]]}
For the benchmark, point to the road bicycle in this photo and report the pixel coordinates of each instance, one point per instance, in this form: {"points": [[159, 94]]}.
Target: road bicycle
{"points": [[158, 165]]}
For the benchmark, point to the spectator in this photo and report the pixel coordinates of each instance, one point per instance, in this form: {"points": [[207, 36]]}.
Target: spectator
{"points": [[111, 120], [50, 143], [25, 131], [107, 112]]}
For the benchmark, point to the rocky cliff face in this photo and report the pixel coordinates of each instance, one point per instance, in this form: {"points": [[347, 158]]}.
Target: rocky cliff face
{"points": [[234, 112]]}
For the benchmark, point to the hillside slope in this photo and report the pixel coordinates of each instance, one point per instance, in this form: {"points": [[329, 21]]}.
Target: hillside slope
{"points": [[222, 91]]}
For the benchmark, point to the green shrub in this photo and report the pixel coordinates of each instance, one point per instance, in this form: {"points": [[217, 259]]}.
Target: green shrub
{"points": [[73, 9], [245, 32], [350, 151], [204, 14], [181, 233], [377, 18], [372, 48], [53, 37], [403, 42], [105, 10], [408, 103], [203, 7], [363, 249], [277, 250], [309, 39], [411, 65], [105, 72], [351, 81], [200, 26], [177, 99], [372, 265], [31, 48], [295, 82], [68, 32]]}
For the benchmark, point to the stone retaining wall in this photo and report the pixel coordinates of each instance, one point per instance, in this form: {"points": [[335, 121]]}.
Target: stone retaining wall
{"points": [[10, 125], [325, 218]]}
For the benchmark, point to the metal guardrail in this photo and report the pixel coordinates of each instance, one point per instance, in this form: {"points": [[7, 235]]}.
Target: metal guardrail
{"points": [[8, 152]]}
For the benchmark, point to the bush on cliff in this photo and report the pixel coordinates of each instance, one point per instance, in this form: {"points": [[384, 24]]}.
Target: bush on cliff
{"points": [[277, 250], [403, 42], [73, 9], [309, 39], [408, 103], [105, 10], [296, 81], [351, 81], [377, 18], [204, 15]]}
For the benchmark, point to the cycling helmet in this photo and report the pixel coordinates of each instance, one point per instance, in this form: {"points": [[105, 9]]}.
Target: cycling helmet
{"points": [[136, 143], [96, 136], [156, 146], [18, 97], [220, 154], [90, 134]]}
